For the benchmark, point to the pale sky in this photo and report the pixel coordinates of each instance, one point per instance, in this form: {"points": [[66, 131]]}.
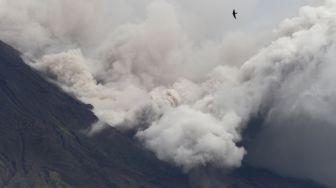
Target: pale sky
{"points": [[213, 18]]}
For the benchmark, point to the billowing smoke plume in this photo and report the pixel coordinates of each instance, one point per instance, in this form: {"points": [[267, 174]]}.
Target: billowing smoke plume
{"points": [[148, 76], [188, 101], [298, 136]]}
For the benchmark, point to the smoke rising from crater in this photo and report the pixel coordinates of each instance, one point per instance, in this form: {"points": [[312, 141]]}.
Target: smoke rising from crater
{"points": [[188, 100]]}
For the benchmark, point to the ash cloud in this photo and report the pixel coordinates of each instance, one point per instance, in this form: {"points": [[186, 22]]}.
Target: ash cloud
{"points": [[188, 100], [298, 136], [142, 75]]}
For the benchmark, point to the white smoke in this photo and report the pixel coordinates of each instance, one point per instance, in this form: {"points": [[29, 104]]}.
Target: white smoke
{"points": [[146, 80], [188, 101], [298, 138]]}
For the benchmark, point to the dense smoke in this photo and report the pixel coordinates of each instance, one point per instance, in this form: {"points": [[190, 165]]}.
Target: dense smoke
{"points": [[298, 135], [188, 100]]}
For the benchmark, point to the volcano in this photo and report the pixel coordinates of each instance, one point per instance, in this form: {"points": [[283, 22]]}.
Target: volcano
{"points": [[43, 143]]}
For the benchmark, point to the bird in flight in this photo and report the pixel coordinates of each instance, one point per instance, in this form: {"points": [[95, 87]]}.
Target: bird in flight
{"points": [[234, 13]]}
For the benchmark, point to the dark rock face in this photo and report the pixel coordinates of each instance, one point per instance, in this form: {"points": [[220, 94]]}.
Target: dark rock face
{"points": [[41, 144]]}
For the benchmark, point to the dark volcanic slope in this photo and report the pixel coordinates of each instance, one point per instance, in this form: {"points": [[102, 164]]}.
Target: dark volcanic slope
{"points": [[41, 144]]}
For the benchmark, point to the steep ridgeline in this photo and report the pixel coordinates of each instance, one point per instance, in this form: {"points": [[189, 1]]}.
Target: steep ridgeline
{"points": [[41, 144]]}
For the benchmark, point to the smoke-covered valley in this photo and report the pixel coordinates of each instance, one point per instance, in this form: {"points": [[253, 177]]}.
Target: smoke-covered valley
{"points": [[149, 67]]}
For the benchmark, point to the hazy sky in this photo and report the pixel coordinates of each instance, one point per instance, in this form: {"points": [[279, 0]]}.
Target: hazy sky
{"points": [[213, 18]]}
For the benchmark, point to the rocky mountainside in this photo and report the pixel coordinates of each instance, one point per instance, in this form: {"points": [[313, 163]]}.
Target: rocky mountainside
{"points": [[42, 144]]}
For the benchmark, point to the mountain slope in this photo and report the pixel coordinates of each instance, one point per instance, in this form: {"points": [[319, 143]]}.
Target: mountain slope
{"points": [[41, 144]]}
